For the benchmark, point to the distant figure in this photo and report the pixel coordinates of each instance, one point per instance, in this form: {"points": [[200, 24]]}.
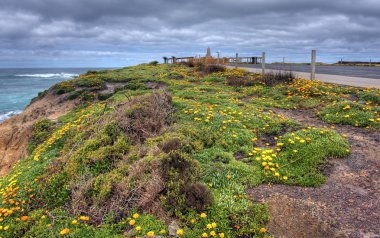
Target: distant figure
{"points": [[208, 54]]}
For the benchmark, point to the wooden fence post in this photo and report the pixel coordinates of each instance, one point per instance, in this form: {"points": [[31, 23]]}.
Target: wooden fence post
{"points": [[313, 62], [236, 60], [263, 63]]}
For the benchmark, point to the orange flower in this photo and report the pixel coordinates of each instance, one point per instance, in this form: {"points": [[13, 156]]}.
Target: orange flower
{"points": [[65, 231], [263, 230], [24, 218]]}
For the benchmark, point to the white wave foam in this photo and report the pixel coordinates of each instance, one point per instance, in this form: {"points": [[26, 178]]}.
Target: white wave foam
{"points": [[56, 75], [5, 116]]}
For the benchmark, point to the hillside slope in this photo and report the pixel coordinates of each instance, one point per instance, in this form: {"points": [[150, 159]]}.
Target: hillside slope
{"points": [[170, 150]]}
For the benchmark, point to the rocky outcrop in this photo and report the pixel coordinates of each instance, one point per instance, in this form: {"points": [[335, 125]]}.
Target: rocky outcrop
{"points": [[16, 131]]}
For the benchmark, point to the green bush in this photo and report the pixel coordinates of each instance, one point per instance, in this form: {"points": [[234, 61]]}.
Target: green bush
{"points": [[64, 87]]}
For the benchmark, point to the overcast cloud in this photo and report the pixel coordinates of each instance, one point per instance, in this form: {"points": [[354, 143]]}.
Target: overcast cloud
{"points": [[52, 33]]}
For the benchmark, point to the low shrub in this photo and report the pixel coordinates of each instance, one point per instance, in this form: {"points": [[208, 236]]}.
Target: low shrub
{"points": [[75, 94], [146, 116], [237, 81], [89, 82], [209, 69], [198, 196], [280, 77], [64, 87], [153, 63], [190, 63]]}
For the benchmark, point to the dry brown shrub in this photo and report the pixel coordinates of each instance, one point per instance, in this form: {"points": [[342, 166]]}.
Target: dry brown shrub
{"points": [[83, 201], [274, 78], [146, 116], [238, 81], [198, 196], [208, 69], [148, 180], [171, 144]]}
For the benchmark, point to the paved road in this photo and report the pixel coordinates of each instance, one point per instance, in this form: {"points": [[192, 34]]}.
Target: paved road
{"points": [[352, 71], [329, 78]]}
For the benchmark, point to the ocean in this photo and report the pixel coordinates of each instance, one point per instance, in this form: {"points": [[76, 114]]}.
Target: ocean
{"points": [[19, 86]]}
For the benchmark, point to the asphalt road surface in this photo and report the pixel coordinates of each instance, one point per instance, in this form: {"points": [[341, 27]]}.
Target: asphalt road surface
{"points": [[352, 71], [337, 74]]}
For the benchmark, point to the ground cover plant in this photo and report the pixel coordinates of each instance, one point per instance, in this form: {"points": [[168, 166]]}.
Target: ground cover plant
{"points": [[172, 152]]}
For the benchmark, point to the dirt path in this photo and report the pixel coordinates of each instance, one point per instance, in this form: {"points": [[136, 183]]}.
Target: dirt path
{"points": [[348, 205]]}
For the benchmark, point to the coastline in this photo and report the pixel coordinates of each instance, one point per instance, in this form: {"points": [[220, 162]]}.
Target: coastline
{"points": [[6, 115]]}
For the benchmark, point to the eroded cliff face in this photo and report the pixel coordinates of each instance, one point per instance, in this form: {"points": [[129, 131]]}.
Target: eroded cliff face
{"points": [[16, 131]]}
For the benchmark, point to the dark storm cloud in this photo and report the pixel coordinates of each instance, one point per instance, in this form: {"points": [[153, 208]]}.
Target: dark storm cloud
{"points": [[121, 28]]}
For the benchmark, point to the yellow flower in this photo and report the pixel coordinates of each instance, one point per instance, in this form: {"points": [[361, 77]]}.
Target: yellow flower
{"points": [[64, 231], [138, 228], [84, 218], [221, 235], [162, 231], [150, 233], [203, 215], [228, 177], [263, 230], [180, 232], [6, 228], [74, 222], [213, 224], [132, 222], [136, 215], [204, 235], [212, 233], [209, 226]]}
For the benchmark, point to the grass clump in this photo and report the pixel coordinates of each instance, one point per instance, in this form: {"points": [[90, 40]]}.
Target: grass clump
{"points": [[370, 95], [351, 113], [301, 156]]}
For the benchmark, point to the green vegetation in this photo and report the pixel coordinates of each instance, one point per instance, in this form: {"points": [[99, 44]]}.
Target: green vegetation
{"points": [[175, 143], [352, 113]]}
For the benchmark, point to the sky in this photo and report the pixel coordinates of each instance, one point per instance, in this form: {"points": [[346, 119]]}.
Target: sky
{"points": [[115, 33]]}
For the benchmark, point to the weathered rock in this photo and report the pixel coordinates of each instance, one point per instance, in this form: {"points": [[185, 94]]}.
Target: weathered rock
{"points": [[173, 227]]}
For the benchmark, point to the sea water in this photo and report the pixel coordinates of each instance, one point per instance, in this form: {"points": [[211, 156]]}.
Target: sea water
{"points": [[19, 86]]}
